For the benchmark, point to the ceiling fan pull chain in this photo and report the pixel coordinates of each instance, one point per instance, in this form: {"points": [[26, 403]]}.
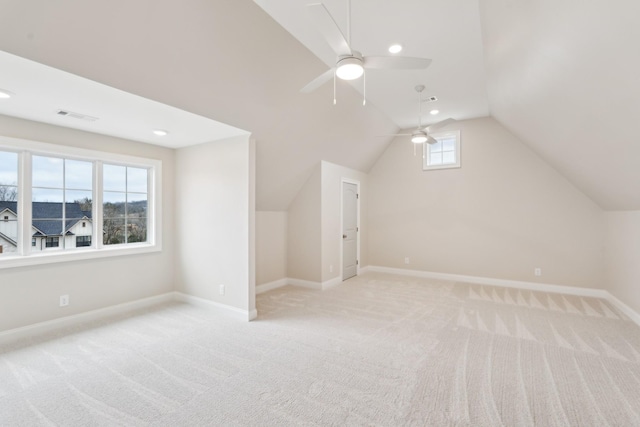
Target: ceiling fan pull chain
{"points": [[364, 88], [334, 87]]}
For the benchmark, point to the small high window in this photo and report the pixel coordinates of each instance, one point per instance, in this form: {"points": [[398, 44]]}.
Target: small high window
{"points": [[52, 242], [443, 154], [82, 241]]}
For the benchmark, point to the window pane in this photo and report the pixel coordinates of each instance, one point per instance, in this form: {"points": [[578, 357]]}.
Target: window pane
{"points": [[78, 175], [449, 144], [435, 159], [8, 203], [8, 168], [47, 227], [115, 178], [113, 231], [82, 199], [137, 205], [137, 180], [46, 196], [47, 172], [114, 205], [137, 230], [435, 147], [448, 157]]}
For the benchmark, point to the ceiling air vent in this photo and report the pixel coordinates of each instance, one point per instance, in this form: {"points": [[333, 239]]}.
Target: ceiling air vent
{"points": [[78, 116], [430, 99]]}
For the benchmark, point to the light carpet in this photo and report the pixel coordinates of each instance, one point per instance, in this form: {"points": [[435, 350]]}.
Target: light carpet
{"points": [[378, 350]]}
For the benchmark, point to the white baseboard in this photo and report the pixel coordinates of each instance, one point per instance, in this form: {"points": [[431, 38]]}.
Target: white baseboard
{"points": [[271, 285], [222, 308], [628, 311], [532, 286], [305, 284], [331, 283], [75, 319]]}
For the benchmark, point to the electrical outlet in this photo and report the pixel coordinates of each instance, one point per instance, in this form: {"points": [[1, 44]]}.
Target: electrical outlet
{"points": [[406, 260], [221, 289], [537, 271], [64, 300]]}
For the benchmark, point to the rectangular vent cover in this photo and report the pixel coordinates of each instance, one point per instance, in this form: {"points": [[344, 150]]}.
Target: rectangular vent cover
{"points": [[78, 116]]}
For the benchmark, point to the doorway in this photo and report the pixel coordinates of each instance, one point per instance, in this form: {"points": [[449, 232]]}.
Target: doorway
{"points": [[350, 230]]}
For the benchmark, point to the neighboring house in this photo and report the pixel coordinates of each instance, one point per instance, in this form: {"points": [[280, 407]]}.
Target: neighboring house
{"points": [[47, 226]]}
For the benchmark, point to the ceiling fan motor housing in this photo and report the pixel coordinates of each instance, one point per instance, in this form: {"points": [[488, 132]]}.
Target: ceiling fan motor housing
{"points": [[350, 67]]}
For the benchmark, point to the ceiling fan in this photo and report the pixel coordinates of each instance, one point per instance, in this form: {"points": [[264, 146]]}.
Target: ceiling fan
{"points": [[421, 134], [350, 63]]}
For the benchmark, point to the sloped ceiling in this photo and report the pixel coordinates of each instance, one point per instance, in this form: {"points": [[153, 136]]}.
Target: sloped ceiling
{"points": [[224, 59], [563, 76]]}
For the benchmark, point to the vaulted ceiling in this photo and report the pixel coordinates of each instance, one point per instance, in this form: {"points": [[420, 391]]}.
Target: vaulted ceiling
{"points": [[561, 75]]}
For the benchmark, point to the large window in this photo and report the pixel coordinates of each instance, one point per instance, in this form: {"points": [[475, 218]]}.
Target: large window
{"points": [[443, 154], [83, 203]]}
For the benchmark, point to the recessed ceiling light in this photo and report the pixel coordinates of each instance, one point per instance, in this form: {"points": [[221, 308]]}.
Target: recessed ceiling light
{"points": [[5, 94], [160, 132], [434, 112], [395, 48]]}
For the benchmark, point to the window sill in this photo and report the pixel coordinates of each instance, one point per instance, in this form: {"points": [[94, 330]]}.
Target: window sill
{"points": [[9, 261]]}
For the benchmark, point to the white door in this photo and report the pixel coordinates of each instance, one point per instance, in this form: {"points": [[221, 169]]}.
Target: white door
{"points": [[349, 230]]}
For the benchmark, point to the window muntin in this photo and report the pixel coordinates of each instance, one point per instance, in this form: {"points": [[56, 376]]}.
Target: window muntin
{"points": [[443, 154], [62, 194], [8, 203], [125, 202]]}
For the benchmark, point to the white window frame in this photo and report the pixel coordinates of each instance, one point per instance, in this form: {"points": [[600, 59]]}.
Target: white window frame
{"points": [[25, 257], [426, 154]]}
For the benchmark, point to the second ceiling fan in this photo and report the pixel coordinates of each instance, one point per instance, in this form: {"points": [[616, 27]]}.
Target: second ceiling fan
{"points": [[350, 63]]}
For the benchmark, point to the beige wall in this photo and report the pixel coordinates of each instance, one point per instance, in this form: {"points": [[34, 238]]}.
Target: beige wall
{"points": [[622, 248], [502, 214], [331, 202], [303, 231], [213, 232], [30, 295], [271, 246]]}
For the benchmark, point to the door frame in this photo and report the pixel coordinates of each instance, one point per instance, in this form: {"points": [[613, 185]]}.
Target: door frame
{"points": [[357, 184]]}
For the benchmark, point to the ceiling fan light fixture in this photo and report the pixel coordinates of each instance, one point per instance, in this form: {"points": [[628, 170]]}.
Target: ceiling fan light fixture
{"points": [[349, 68], [419, 137], [5, 94], [160, 132]]}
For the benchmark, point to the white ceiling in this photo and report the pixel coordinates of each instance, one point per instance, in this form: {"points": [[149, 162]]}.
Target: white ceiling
{"points": [[40, 91], [446, 31], [561, 75]]}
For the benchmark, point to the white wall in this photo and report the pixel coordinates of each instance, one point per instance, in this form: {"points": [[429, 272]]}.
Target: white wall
{"points": [[331, 202], [271, 246], [502, 214], [622, 248], [214, 203], [304, 252], [30, 295]]}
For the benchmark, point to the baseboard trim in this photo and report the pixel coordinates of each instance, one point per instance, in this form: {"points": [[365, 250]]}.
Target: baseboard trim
{"points": [[88, 316], [222, 308], [265, 287], [544, 287], [305, 284], [628, 311], [331, 283]]}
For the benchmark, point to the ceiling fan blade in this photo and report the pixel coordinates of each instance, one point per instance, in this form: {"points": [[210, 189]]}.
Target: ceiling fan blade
{"points": [[396, 62], [436, 126], [318, 81], [329, 29], [431, 140]]}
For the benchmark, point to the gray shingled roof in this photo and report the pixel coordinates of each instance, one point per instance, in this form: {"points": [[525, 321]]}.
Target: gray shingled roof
{"points": [[45, 215]]}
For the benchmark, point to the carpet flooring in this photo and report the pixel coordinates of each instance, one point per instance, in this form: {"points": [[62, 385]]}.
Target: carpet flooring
{"points": [[378, 350]]}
